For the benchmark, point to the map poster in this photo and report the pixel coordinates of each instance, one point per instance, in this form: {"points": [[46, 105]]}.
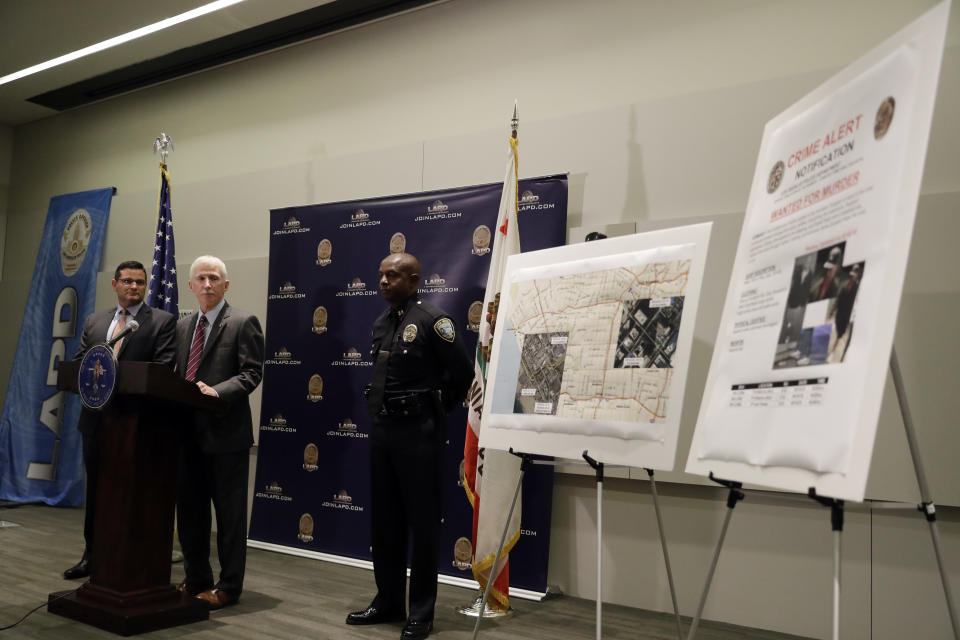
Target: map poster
{"points": [[801, 357], [591, 347]]}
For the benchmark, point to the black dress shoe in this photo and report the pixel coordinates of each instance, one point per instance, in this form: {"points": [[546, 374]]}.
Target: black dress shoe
{"points": [[372, 615], [416, 630], [79, 570]]}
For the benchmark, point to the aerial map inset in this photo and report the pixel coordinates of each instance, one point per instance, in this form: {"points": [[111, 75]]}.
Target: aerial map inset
{"points": [[598, 345]]}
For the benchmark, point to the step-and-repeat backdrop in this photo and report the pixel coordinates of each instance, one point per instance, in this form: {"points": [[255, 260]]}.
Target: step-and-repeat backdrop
{"points": [[312, 490]]}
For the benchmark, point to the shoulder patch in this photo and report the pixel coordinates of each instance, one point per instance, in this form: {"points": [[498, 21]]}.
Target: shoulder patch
{"points": [[444, 328]]}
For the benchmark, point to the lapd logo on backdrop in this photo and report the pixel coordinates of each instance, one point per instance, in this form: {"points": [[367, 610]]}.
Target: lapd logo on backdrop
{"points": [[398, 243], [74, 241], [474, 315], [273, 491], [359, 218], [463, 554], [305, 533], [481, 240], [282, 356], [287, 291], [881, 123], [530, 201], [436, 284], [273, 487], [310, 456], [324, 249], [315, 388], [289, 226], [438, 210], [319, 320], [342, 500], [352, 358], [346, 429], [356, 287], [278, 423], [776, 176]]}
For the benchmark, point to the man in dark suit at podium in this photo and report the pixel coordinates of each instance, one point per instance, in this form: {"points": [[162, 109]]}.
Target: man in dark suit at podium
{"points": [[153, 341], [221, 350]]}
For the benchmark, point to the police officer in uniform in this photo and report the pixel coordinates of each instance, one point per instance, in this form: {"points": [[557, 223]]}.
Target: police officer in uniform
{"points": [[421, 372]]}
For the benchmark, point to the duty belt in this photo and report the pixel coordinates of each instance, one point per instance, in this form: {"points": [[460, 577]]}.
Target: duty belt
{"points": [[410, 404]]}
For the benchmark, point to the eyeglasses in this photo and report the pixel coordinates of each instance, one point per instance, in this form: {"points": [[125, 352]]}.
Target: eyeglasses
{"points": [[130, 281]]}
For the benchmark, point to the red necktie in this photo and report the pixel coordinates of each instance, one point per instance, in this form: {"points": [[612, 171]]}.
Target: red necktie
{"points": [[196, 349], [121, 325]]}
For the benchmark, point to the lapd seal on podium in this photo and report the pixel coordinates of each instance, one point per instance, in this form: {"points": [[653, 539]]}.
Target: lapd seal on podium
{"points": [[97, 377]]}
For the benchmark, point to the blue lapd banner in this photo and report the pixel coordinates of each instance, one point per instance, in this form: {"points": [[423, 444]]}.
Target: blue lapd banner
{"points": [[39, 443], [312, 487]]}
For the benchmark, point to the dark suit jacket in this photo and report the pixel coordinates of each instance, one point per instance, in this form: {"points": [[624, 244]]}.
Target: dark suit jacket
{"points": [[232, 363], [152, 342]]}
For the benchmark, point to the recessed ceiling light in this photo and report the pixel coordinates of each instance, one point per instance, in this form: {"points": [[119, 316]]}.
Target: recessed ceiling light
{"points": [[116, 40]]}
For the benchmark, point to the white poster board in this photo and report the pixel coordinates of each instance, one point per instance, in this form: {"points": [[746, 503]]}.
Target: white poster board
{"points": [[795, 384], [591, 348]]}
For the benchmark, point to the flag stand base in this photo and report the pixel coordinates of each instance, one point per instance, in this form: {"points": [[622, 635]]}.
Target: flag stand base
{"points": [[485, 597], [473, 609]]}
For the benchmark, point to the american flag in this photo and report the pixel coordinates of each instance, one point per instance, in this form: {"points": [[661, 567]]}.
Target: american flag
{"points": [[162, 291]]}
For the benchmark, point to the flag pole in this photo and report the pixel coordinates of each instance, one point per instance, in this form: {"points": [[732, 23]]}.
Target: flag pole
{"points": [[163, 245], [480, 606], [524, 462]]}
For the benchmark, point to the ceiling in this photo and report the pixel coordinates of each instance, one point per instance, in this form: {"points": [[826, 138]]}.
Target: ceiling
{"points": [[33, 31]]}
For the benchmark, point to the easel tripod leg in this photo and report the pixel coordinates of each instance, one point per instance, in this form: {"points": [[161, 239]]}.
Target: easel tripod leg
{"points": [[734, 496], [666, 554], [836, 525], [598, 467], [926, 507]]}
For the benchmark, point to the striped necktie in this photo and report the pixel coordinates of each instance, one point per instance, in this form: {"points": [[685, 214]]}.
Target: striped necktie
{"points": [[196, 349], [121, 325]]}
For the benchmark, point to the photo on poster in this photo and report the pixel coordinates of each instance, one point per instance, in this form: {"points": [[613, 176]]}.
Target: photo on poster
{"points": [[817, 322], [541, 372], [648, 333]]}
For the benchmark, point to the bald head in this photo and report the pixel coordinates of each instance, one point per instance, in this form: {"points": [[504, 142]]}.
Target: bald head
{"points": [[399, 277]]}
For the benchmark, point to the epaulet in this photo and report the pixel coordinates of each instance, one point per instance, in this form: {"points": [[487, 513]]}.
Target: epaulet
{"points": [[430, 309]]}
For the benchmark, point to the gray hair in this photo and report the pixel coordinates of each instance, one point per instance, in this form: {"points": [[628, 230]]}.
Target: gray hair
{"points": [[215, 261]]}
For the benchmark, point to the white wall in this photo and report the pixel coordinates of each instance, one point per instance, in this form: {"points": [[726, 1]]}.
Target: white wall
{"points": [[656, 110]]}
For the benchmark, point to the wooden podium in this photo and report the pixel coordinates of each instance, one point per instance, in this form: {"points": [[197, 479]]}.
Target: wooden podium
{"points": [[129, 590]]}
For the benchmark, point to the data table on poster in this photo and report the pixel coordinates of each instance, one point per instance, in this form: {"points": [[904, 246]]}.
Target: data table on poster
{"points": [[804, 392]]}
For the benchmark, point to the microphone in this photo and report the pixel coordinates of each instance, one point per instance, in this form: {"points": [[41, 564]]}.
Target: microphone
{"points": [[132, 326]]}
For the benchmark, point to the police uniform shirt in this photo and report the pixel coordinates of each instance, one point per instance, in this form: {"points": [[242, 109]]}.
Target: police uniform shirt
{"points": [[425, 352]]}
